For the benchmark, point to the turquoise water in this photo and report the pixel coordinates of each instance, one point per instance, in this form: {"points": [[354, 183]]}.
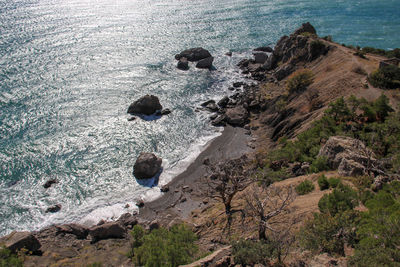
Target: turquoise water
{"points": [[69, 70]]}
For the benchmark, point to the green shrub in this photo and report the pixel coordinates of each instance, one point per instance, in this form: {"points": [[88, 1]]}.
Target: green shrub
{"points": [[249, 252], [319, 164], [387, 77], [379, 230], [333, 182], [8, 259], [299, 81], [95, 264], [341, 199], [360, 54], [326, 233], [162, 247], [323, 182], [305, 187]]}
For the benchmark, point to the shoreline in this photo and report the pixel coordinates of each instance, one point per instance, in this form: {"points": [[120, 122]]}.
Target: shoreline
{"points": [[182, 196]]}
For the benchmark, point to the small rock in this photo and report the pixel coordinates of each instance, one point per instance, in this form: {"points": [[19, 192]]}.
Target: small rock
{"points": [[54, 208], [186, 188], [131, 118], [229, 54], [127, 206], [183, 64], [231, 88], [140, 204], [213, 116], [50, 182], [206, 161], [101, 222], [219, 121], [154, 225], [238, 84], [210, 105], [165, 111], [223, 102], [183, 199], [193, 54]]}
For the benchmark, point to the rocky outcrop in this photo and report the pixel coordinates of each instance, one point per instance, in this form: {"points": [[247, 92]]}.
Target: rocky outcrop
{"points": [[210, 105], [350, 156], [205, 63], [260, 57], [147, 166], [146, 105], [264, 49], [194, 54], [305, 28], [21, 240], [106, 231], [80, 231]]}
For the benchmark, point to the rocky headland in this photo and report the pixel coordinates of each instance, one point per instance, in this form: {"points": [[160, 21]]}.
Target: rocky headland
{"points": [[257, 116]]}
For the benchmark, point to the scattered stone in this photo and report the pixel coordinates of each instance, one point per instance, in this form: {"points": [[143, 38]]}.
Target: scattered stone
{"points": [[213, 116], [229, 54], [264, 49], [186, 188], [131, 118], [106, 231], [146, 105], [205, 201], [164, 189], [206, 161], [231, 88], [260, 58], [243, 63], [50, 182], [194, 54], [21, 240], [54, 208], [101, 222], [147, 166], [127, 206], [205, 63], [183, 64], [379, 181], [183, 199]]}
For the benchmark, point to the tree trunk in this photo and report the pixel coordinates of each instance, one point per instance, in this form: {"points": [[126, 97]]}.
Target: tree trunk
{"points": [[261, 231]]}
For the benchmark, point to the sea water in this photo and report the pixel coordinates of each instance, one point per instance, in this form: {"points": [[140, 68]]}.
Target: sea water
{"points": [[69, 70]]}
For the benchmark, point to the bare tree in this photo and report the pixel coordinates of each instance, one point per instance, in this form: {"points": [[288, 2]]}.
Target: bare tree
{"points": [[226, 179], [266, 203]]}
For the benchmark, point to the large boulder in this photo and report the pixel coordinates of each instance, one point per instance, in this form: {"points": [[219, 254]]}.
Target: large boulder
{"points": [[21, 240], [264, 49], [205, 63], [106, 231], [146, 105], [237, 116], [77, 230], [194, 54], [147, 165], [305, 28], [350, 156], [260, 57]]}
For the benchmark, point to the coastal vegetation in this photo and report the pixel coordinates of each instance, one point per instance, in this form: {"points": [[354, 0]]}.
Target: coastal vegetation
{"points": [[163, 247], [305, 187], [387, 77], [8, 259]]}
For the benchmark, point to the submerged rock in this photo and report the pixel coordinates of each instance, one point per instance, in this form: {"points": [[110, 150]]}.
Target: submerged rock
{"points": [[146, 105], [50, 182], [146, 166], [54, 208]]}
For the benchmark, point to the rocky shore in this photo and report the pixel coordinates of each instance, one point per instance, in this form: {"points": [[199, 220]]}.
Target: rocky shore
{"points": [[255, 116]]}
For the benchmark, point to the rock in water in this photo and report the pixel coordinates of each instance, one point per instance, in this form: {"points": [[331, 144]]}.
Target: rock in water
{"points": [[194, 54], [183, 64], [146, 166], [264, 49], [53, 209], [49, 183], [205, 63], [260, 57], [146, 105], [21, 240]]}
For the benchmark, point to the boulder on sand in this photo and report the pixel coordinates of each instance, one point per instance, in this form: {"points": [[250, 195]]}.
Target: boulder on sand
{"points": [[194, 54], [146, 166], [146, 105], [237, 116]]}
